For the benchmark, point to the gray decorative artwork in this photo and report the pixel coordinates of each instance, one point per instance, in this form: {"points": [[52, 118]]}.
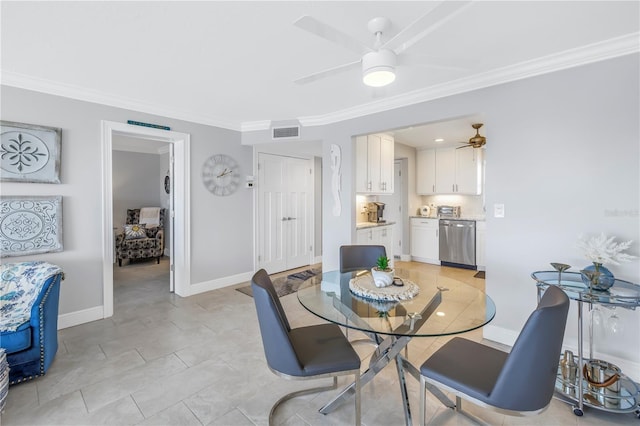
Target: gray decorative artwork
{"points": [[29, 153], [30, 225]]}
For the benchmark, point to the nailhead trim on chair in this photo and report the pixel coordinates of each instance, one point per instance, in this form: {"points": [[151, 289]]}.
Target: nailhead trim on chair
{"points": [[41, 321]]}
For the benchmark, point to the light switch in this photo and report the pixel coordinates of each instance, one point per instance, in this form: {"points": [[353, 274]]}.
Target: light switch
{"points": [[498, 210]]}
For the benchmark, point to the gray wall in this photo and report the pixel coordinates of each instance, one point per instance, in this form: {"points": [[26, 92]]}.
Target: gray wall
{"points": [[136, 178], [222, 233], [563, 156]]}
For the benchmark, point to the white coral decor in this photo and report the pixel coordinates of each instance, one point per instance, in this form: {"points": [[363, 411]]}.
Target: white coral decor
{"points": [[604, 250]]}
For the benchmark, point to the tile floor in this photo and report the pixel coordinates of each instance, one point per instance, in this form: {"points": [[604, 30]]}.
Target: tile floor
{"points": [[166, 360]]}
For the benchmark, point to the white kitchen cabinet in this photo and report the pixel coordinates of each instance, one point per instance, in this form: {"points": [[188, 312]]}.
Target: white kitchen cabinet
{"points": [[469, 171], [374, 164], [446, 171], [449, 171], [425, 242], [481, 231], [377, 235], [426, 172]]}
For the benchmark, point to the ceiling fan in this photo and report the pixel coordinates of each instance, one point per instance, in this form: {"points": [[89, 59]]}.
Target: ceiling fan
{"points": [[476, 141], [379, 61]]}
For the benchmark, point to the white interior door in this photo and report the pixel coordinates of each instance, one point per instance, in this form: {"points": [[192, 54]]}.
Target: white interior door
{"points": [[284, 212], [170, 216], [298, 205]]}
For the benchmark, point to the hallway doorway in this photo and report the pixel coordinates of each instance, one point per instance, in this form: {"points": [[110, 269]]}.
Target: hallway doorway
{"points": [[179, 210], [142, 175]]}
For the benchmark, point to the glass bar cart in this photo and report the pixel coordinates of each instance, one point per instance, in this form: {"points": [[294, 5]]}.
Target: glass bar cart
{"points": [[625, 396]]}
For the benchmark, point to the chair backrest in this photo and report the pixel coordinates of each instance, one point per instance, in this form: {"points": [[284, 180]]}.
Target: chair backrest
{"points": [[353, 258], [133, 217], [527, 379], [274, 326]]}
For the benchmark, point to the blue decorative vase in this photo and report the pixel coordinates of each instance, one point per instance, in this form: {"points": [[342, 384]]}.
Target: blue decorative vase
{"points": [[601, 282]]}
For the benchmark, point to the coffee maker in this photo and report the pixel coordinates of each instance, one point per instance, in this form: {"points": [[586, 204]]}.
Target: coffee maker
{"points": [[374, 211]]}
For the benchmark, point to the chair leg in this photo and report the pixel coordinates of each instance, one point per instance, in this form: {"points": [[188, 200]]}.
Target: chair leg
{"points": [[120, 263], [333, 385], [423, 401], [158, 260]]}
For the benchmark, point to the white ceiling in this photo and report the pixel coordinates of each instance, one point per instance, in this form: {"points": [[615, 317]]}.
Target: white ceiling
{"points": [[232, 64]]}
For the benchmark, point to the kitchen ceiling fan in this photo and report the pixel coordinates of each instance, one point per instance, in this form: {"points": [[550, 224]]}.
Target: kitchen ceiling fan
{"points": [[476, 141], [379, 61]]}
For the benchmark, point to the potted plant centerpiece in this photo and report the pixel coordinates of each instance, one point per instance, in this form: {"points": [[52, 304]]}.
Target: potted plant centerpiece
{"points": [[382, 273]]}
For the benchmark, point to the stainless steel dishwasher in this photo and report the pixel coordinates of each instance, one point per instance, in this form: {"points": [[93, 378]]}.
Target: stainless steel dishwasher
{"points": [[458, 243]]}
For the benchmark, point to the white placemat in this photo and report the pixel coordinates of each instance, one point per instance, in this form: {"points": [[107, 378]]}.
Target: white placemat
{"points": [[364, 286]]}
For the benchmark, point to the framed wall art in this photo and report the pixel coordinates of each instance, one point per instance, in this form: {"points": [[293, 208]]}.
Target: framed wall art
{"points": [[29, 153], [30, 225]]}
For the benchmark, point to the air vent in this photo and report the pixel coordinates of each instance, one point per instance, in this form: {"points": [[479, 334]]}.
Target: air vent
{"points": [[286, 132]]}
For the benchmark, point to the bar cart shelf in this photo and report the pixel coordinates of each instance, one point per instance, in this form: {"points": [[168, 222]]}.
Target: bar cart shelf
{"points": [[622, 294]]}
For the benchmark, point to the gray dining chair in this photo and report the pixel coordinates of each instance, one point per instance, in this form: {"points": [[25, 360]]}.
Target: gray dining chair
{"points": [[356, 257], [310, 352], [518, 383]]}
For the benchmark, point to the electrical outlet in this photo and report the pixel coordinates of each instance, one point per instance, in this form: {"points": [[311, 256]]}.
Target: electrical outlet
{"points": [[498, 210]]}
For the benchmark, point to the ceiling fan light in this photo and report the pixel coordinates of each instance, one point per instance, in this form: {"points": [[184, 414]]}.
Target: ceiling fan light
{"points": [[378, 68], [379, 77]]}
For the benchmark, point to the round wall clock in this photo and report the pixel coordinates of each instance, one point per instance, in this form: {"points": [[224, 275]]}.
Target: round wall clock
{"points": [[221, 174], [167, 184]]}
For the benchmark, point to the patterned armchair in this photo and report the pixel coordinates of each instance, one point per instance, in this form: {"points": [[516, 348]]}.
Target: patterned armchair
{"points": [[142, 241]]}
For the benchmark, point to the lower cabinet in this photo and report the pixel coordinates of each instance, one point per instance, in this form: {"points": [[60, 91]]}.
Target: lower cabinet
{"points": [[425, 242], [378, 235]]}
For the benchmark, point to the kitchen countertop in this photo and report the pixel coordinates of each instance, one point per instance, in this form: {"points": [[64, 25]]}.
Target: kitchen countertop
{"points": [[477, 218], [364, 225]]}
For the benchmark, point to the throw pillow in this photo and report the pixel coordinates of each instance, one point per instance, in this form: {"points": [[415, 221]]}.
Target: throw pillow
{"points": [[132, 232]]}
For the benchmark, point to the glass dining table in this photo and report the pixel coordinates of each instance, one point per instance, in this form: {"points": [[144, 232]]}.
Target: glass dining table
{"points": [[442, 306]]}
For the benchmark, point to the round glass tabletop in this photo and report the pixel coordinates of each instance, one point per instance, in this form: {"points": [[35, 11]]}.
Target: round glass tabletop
{"points": [[443, 305]]}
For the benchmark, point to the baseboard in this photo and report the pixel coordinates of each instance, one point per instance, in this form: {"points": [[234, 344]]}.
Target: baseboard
{"points": [[219, 283], [405, 257], [508, 337], [499, 334], [80, 317], [317, 259], [424, 260]]}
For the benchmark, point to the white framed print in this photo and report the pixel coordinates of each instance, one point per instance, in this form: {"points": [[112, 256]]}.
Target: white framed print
{"points": [[29, 153], [30, 225]]}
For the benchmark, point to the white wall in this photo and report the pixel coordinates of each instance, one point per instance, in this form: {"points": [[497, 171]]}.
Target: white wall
{"points": [[222, 234]]}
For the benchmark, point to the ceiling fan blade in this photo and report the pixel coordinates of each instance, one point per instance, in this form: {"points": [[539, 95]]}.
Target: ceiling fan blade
{"points": [[325, 73], [327, 32], [421, 61], [466, 146], [425, 24]]}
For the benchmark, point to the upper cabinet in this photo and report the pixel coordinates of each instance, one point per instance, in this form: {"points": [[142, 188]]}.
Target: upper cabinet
{"points": [[426, 172], [374, 164], [449, 171]]}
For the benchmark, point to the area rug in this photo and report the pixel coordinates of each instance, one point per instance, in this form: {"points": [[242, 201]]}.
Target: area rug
{"points": [[288, 284], [480, 274]]}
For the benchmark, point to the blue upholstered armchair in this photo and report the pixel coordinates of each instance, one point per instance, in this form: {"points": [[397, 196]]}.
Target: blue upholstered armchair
{"points": [[29, 296]]}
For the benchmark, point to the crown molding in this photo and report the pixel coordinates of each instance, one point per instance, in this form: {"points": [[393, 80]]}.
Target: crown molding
{"points": [[608, 49], [252, 126], [27, 82]]}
